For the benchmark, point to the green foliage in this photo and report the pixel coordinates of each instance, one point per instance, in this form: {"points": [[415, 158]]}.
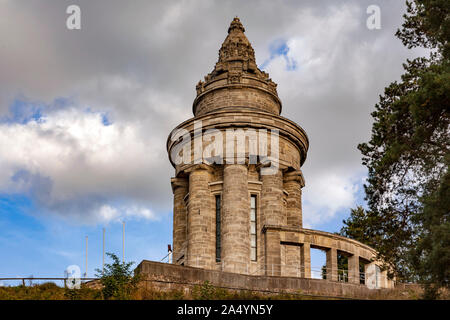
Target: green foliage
{"points": [[408, 158], [83, 293], [118, 281], [155, 294], [204, 292], [47, 291], [426, 25], [431, 256], [53, 292]]}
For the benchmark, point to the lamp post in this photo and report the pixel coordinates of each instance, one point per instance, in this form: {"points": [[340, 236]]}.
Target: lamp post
{"points": [[103, 253], [123, 241], [86, 272]]}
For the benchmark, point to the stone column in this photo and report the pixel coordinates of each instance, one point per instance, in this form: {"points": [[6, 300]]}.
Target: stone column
{"points": [[370, 271], [180, 189], [200, 237], [332, 273], [293, 184], [292, 266], [272, 199], [385, 282], [305, 260], [353, 269], [235, 219], [272, 252], [272, 215]]}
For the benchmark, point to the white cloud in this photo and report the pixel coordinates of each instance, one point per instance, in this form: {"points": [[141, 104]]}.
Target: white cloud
{"points": [[70, 155], [326, 195], [108, 213], [140, 212], [139, 64]]}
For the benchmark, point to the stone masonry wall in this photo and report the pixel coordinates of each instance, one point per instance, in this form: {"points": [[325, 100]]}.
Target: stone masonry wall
{"points": [[166, 277], [253, 98]]}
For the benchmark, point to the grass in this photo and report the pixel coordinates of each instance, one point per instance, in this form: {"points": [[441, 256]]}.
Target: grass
{"points": [[47, 291], [50, 291], [205, 291]]}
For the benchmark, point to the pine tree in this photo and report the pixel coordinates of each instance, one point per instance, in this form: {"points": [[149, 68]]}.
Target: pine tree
{"points": [[408, 158]]}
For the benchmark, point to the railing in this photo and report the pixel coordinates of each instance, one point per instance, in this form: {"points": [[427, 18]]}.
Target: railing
{"points": [[340, 275], [315, 272], [31, 281]]}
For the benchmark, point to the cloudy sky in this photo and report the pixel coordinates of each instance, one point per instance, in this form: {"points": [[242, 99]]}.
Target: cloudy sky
{"points": [[84, 114]]}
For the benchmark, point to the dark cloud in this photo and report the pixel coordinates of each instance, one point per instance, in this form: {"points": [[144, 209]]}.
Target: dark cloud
{"points": [[138, 63]]}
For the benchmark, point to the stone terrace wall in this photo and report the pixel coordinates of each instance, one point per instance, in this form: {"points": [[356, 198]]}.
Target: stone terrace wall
{"points": [[165, 277]]}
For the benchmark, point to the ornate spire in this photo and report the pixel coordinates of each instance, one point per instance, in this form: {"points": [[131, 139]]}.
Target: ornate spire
{"points": [[236, 59], [236, 45]]}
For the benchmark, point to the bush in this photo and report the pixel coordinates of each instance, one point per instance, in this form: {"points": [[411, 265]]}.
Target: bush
{"points": [[204, 292], [118, 281]]}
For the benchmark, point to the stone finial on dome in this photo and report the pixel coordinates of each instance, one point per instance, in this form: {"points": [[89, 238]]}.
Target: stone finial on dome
{"points": [[236, 45], [236, 25]]}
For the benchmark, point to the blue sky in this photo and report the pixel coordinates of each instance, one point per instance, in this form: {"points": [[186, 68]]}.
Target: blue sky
{"points": [[45, 247], [279, 48], [85, 114]]}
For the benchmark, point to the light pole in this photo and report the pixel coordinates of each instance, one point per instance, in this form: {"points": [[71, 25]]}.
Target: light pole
{"points": [[86, 273], [123, 241], [103, 255]]}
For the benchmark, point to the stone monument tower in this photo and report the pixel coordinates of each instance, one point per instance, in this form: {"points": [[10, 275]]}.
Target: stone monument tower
{"points": [[238, 181], [236, 197]]}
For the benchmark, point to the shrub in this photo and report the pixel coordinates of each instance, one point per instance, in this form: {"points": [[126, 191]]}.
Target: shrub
{"points": [[118, 281]]}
